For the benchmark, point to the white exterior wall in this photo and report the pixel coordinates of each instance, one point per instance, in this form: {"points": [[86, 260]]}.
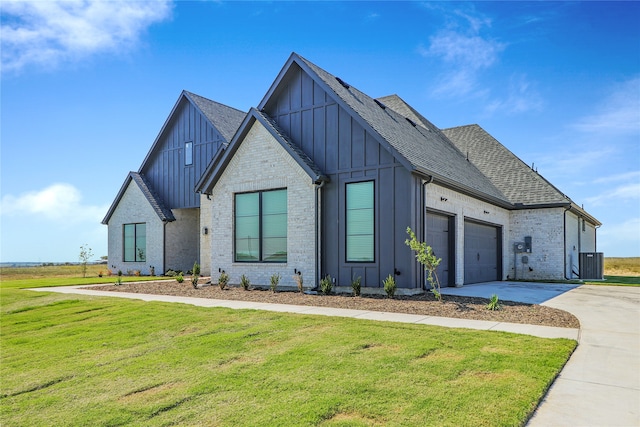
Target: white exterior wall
{"points": [[206, 221], [572, 239], [461, 206], [546, 228], [261, 163], [183, 239], [135, 208]]}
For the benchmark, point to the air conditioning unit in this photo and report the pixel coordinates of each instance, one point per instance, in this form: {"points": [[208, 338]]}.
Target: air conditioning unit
{"points": [[591, 265]]}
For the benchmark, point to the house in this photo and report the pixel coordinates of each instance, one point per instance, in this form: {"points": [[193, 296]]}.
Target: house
{"points": [[154, 221], [323, 179]]}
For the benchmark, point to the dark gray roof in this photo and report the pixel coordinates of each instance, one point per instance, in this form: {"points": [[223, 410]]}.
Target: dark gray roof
{"points": [[224, 118], [512, 176], [398, 105], [156, 203], [420, 146]]}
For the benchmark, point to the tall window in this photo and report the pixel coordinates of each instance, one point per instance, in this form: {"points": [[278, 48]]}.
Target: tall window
{"points": [[135, 242], [360, 222], [188, 153], [261, 226]]}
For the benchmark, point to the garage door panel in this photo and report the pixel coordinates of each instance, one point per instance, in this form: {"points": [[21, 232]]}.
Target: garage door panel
{"points": [[481, 252], [439, 238]]}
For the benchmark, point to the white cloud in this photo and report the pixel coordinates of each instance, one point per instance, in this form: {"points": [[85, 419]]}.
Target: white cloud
{"points": [[622, 193], [58, 202], [619, 177], [521, 97], [473, 52], [45, 33], [619, 113]]}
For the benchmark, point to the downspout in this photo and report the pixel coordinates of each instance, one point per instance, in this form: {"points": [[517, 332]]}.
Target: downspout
{"points": [[423, 219], [564, 233], [164, 247], [318, 240]]}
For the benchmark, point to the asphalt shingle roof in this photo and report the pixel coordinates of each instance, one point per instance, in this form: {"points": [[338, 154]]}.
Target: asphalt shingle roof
{"points": [[226, 119], [424, 146], [163, 212], [508, 173]]}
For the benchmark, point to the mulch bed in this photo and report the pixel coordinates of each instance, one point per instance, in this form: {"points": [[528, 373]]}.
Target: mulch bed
{"points": [[424, 304]]}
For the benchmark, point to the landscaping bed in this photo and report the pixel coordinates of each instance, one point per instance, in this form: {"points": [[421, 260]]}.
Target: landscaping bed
{"points": [[425, 304]]}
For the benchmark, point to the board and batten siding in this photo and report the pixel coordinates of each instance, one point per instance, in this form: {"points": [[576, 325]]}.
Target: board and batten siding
{"points": [[167, 173], [346, 152]]}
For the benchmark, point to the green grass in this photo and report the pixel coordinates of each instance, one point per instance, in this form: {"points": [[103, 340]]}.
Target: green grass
{"points": [[617, 281], [78, 360]]}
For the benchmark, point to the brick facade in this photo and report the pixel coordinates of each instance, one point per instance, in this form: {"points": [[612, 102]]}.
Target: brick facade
{"points": [[135, 208], [261, 163]]}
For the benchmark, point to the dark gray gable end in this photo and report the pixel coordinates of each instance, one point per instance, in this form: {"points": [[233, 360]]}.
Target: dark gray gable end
{"points": [[223, 118], [215, 169], [156, 203], [421, 150]]}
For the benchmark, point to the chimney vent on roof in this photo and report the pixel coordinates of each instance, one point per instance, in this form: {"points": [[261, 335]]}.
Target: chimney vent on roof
{"points": [[343, 83], [411, 121], [380, 104]]}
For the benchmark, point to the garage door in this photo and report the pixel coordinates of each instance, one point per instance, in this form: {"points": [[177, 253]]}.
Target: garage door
{"points": [[482, 255], [439, 238]]}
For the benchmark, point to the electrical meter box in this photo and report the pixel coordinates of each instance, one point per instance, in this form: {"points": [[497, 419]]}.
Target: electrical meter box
{"points": [[518, 247], [527, 244]]}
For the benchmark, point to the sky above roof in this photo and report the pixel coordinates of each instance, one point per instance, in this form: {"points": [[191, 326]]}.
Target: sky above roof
{"points": [[87, 86]]}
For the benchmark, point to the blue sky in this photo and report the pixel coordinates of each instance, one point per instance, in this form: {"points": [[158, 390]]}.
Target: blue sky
{"points": [[86, 87]]}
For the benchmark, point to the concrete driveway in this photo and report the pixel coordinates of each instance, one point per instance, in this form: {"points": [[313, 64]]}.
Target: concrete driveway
{"points": [[600, 384]]}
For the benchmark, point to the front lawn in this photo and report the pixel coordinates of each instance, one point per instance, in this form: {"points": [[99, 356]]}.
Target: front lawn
{"points": [[77, 360]]}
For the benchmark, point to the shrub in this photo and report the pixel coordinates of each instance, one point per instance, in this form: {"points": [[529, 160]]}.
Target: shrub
{"points": [[390, 286], [355, 285], [275, 279], [170, 273], [195, 275], [245, 282], [425, 256], [180, 278], [152, 270], [119, 279], [326, 285], [493, 303], [136, 273], [223, 280], [299, 281], [100, 273]]}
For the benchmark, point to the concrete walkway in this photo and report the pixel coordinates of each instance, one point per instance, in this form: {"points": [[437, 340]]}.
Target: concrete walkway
{"points": [[599, 385]]}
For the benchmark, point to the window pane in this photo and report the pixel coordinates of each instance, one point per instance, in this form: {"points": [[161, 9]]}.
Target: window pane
{"points": [[129, 242], [188, 153], [247, 225], [360, 248], [360, 221], [274, 226], [141, 242]]}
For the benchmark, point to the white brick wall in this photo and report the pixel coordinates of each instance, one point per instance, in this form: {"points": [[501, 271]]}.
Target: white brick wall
{"points": [[135, 208], [183, 239], [462, 206], [546, 228], [261, 163], [206, 220]]}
